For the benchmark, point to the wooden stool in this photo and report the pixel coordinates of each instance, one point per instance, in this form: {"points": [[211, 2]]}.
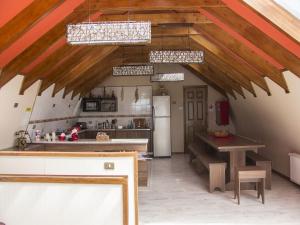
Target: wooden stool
{"points": [[250, 174]]}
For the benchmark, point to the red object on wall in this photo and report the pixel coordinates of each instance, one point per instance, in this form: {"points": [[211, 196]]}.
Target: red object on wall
{"points": [[222, 112]]}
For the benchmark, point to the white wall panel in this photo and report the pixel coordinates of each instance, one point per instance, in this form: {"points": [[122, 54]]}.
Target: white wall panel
{"points": [[71, 166], [61, 204], [273, 120]]}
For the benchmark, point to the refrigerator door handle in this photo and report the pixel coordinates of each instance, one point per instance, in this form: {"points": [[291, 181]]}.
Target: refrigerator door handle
{"points": [[153, 115]]}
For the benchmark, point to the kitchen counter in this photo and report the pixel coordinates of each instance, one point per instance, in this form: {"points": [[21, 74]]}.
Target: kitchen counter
{"points": [[94, 142], [86, 145], [123, 129]]}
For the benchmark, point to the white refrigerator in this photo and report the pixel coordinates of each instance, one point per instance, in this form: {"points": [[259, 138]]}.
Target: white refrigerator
{"points": [[161, 126]]}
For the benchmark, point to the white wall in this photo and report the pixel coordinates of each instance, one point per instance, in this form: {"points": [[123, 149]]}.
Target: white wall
{"points": [[13, 119], [24, 203], [274, 120], [43, 110], [175, 90]]}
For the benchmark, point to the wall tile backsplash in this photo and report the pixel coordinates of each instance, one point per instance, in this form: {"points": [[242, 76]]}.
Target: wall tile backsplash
{"points": [[128, 107]]}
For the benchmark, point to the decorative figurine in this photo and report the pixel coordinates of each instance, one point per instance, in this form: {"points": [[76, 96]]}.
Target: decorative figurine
{"points": [[21, 141]]}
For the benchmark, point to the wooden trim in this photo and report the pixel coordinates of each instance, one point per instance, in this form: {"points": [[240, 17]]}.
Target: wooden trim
{"points": [[68, 154], [136, 181], [88, 116], [115, 180], [53, 119]]}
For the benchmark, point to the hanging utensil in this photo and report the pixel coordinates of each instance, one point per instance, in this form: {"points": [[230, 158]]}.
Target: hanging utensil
{"points": [[136, 94], [122, 94]]}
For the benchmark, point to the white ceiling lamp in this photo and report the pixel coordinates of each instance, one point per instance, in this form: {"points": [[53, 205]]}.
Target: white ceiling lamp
{"points": [[162, 77], [109, 33], [176, 56], [133, 70]]}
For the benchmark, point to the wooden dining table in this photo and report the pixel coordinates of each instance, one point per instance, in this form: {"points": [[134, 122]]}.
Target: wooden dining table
{"points": [[236, 146]]}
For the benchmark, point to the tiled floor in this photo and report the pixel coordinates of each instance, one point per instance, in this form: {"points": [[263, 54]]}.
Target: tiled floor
{"points": [[177, 195]]}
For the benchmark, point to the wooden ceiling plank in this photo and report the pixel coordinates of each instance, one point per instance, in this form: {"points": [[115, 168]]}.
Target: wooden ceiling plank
{"points": [[257, 37], [37, 48], [89, 61], [227, 58], [231, 82], [134, 5], [107, 63], [255, 19], [68, 64], [277, 15], [41, 70], [205, 80], [201, 71], [93, 82], [24, 20], [215, 62], [170, 17], [260, 64]]}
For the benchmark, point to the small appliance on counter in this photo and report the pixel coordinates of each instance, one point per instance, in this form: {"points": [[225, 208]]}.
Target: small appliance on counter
{"points": [[82, 125], [139, 123]]}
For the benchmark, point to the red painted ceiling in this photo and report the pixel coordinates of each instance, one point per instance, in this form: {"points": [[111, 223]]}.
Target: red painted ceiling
{"points": [[44, 25]]}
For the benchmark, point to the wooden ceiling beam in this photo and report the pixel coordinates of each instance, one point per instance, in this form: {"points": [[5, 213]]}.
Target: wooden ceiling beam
{"points": [[255, 19], [241, 67], [233, 83], [97, 70], [93, 82], [227, 81], [86, 63], [221, 90], [256, 36], [37, 48], [170, 17], [222, 38], [219, 82], [45, 67], [24, 20], [226, 69], [277, 15], [137, 5], [67, 65]]}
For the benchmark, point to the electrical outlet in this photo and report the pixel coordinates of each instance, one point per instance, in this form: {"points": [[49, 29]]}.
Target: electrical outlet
{"points": [[109, 165]]}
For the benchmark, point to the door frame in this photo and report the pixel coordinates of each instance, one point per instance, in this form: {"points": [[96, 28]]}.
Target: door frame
{"points": [[184, 110]]}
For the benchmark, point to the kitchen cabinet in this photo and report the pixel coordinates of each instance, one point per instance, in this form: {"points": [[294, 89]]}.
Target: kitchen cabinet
{"points": [[135, 133], [120, 134]]}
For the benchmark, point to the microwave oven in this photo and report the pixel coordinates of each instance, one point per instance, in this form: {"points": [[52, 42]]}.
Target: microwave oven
{"points": [[91, 105]]}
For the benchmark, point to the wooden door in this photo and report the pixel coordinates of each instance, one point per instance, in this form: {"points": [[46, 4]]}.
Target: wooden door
{"points": [[195, 112]]}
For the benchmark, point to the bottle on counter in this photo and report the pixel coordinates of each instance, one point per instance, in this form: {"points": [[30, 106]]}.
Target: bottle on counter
{"points": [[37, 135], [53, 136], [48, 138]]}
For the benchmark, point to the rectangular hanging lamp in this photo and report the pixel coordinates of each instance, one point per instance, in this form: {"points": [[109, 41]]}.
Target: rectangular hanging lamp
{"points": [[133, 70], [176, 56], [159, 77], [106, 33]]}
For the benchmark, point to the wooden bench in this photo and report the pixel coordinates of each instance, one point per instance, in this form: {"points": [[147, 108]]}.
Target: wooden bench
{"points": [[215, 166], [259, 160]]}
